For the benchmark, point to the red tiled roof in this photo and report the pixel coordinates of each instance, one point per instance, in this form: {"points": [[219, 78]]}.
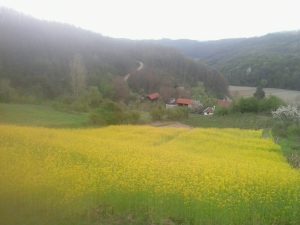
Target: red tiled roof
{"points": [[184, 101], [153, 96], [223, 103]]}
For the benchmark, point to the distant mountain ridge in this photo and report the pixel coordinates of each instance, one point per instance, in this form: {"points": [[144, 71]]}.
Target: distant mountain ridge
{"points": [[35, 57], [274, 57]]}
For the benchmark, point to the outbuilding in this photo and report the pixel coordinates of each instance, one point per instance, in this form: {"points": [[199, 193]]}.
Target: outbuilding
{"points": [[184, 102], [209, 111]]}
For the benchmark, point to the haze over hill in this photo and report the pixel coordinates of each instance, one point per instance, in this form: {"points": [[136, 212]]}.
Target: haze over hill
{"points": [[246, 61], [36, 59]]}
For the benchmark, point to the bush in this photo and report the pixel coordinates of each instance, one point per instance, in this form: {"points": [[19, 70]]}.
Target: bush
{"points": [[287, 114], [270, 104], [108, 113], [93, 97], [287, 120], [132, 117], [7, 93], [255, 105], [259, 93], [222, 111], [248, 105], [177, 113], [157, 113]]}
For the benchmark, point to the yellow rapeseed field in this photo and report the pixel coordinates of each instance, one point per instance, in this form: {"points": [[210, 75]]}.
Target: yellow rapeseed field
{"points": [[194, 176]]}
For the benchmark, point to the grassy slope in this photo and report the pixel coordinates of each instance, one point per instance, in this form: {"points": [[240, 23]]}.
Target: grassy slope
{"points": [[39, 115], [238, 120], [291, 149]]}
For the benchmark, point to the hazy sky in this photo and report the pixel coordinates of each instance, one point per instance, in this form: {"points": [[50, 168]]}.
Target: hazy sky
{"points": [[154, 19]]}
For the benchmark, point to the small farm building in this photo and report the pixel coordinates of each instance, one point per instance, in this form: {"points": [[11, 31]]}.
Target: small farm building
{"points": [[184, 102], [209, 111]]}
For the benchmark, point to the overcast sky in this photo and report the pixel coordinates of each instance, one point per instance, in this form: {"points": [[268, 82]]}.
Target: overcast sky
{"points": [[175, 19]]}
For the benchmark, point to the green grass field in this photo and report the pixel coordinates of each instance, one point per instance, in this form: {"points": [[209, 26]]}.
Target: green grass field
{"points": [[237, 120], [291, 149], [46, 116], [39, 115]]}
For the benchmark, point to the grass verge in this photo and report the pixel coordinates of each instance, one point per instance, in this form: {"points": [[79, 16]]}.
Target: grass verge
{"points": [[40, 115], [236, 120]]}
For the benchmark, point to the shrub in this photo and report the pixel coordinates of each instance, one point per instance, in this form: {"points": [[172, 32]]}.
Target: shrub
{"points": [[269, 104], [287, 120], [222, 111], [248, 105], [287, 114], [157, 113], [93, 97], [259, 93], [255, 105], [7, 93], [177, 113], [108, 113], [132, 117]]}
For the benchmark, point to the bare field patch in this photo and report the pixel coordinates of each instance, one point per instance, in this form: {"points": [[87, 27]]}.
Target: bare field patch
{"points": [[289, 96]]}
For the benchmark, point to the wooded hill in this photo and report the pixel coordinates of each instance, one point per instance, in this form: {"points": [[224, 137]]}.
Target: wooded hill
{"points": [[246, 61], [37, 57]]}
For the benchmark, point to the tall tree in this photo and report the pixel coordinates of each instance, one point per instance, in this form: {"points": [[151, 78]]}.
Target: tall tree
{"points": [[78, 76], [121, 89], [260, 93]]}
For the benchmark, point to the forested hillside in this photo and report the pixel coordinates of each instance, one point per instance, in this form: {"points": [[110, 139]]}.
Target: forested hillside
{"points": [[41, 59], [246, 61]]}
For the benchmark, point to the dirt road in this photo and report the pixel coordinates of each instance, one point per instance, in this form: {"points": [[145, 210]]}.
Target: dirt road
{"points": [[170, 124], [140, 67]]}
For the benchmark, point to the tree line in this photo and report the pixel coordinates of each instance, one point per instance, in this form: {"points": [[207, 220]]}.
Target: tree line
{"points": [[246, 61]]}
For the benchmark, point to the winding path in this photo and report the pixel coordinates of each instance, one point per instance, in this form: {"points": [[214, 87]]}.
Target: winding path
{"points": [[140, 67]]}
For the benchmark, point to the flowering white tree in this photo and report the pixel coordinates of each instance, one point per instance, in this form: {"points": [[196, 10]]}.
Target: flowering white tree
{"points": [[287, 113]]}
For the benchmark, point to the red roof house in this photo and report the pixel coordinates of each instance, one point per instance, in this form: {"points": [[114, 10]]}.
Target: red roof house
{"points": [[184, 102], [153, 96]]}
